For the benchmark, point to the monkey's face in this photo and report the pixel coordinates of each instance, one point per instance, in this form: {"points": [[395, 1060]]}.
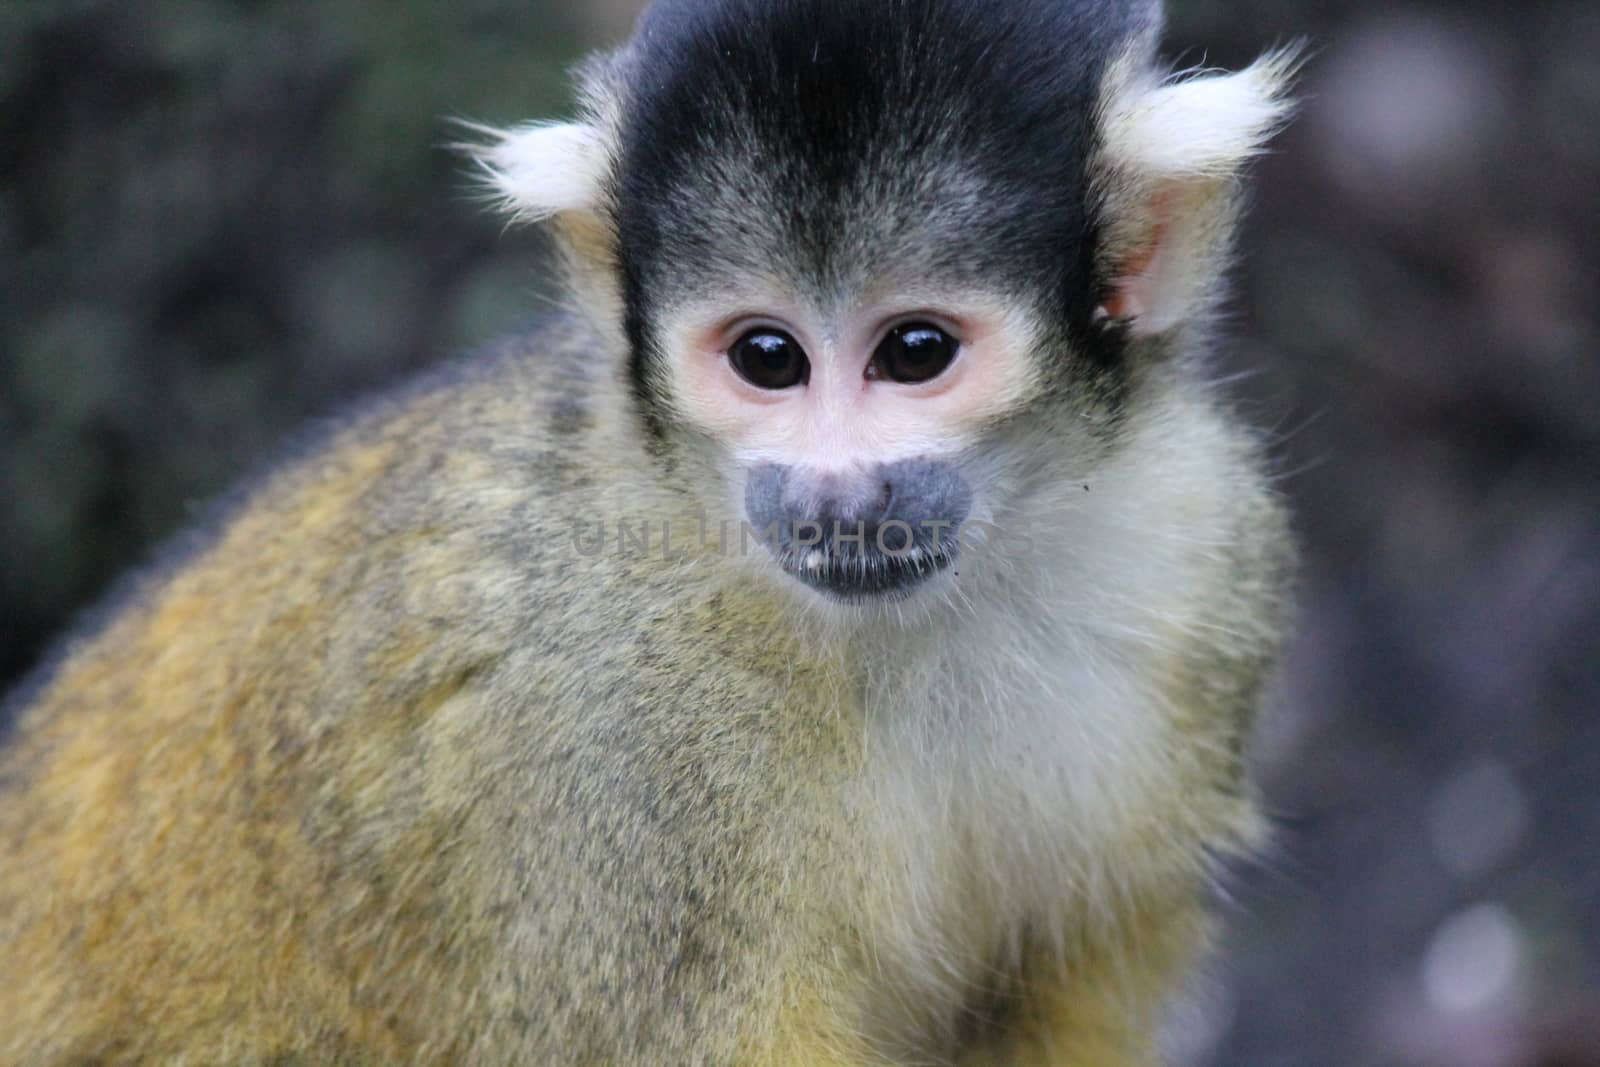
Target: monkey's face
{"points": [[846, 437], [850, 278], [884, 273]]}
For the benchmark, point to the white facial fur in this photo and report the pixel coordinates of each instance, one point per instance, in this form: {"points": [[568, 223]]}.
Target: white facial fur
{"points": [[841, 418], [843, 422]]}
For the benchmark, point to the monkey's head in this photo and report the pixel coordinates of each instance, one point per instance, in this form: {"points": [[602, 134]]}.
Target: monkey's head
{"points": [[886, 278]]}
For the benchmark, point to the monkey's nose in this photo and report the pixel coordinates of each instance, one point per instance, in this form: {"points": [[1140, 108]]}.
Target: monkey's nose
{"points": [[850, 502]]}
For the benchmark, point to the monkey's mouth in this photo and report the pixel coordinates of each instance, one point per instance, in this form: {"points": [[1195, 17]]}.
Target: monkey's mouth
{"points": [[861, 536], [855, 577]]}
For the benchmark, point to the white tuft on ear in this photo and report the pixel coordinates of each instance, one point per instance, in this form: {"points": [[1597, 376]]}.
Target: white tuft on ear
{"points": [[1201, 126], [542, 169], [1172, 151]]}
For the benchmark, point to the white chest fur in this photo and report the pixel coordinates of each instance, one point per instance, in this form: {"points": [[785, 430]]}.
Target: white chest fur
{"points": [[1001, 774], [1020, 744]]}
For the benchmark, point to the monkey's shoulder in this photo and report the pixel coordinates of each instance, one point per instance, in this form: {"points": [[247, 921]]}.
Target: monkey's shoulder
{"points": [[391, 489]]}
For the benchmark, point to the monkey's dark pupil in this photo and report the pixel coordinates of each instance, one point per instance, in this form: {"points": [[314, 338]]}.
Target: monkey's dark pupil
{"points": [[769, 359], [914, 353]]}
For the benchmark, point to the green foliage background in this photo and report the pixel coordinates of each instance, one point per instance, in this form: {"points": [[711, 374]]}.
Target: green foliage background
{"points": [[218, 219]]}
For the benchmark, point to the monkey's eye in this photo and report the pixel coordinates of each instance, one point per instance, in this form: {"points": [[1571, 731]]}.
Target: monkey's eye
{"points": [[915, 352], [770, 359]]}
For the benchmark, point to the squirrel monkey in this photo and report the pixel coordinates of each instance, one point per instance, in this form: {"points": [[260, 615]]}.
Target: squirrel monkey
{"points": [[830, 640]]}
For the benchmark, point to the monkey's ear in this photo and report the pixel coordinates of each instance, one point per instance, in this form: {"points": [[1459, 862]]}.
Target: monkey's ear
{"points": [[1173, 153], [542, 169]]}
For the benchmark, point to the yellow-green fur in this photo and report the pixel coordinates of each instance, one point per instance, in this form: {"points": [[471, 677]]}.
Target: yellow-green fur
{"points": [[284, 803], [469, 734]]}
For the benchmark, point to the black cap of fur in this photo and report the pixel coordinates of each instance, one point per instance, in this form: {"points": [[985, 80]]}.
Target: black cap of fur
{"points": [[836, 140]]}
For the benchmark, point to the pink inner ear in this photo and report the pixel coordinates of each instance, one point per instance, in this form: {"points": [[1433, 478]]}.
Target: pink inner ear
{"points": [[1133, 293]]}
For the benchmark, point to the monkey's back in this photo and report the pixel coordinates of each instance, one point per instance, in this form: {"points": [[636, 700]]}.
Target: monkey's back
{"points": [[311, 784]]}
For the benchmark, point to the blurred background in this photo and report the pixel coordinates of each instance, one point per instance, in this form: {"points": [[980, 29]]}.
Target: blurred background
{"points": [[219, 219]]}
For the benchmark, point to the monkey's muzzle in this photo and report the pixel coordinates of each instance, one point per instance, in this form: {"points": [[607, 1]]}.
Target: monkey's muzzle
{"points": [[863, 535]]}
